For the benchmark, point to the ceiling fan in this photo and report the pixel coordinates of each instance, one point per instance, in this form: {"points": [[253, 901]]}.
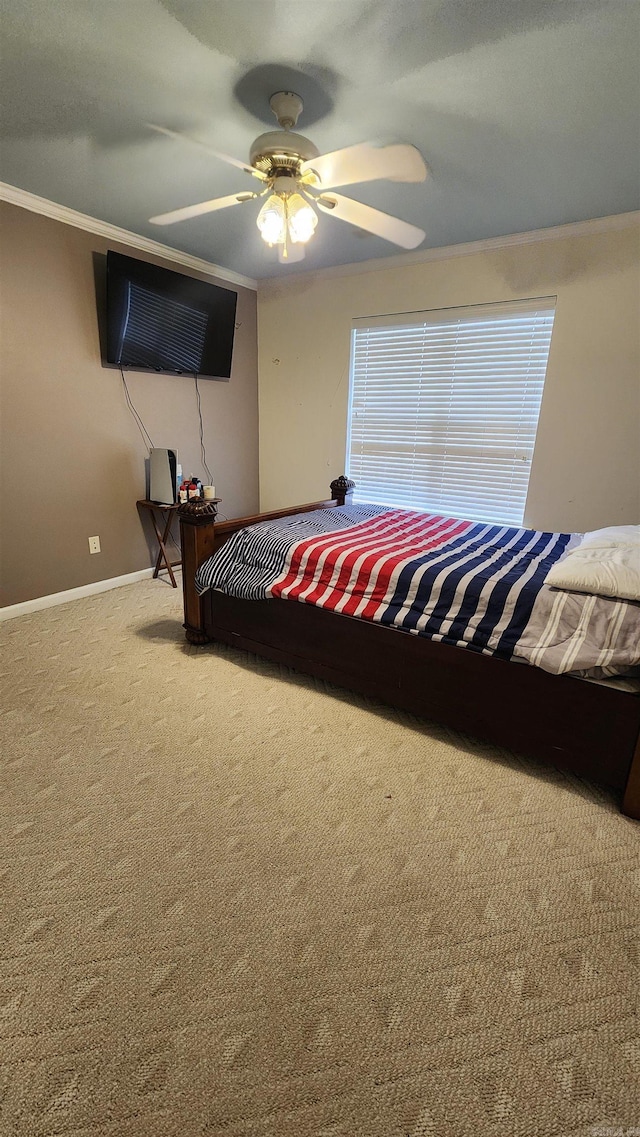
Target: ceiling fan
{"points": [[295, 178]]}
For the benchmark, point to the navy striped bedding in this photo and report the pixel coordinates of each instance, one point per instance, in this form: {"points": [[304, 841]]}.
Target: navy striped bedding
{"points": [[461, 582], [470, 584]]}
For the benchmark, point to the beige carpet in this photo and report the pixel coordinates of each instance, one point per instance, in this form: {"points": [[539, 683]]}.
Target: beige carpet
{"points": [[238, 902]]}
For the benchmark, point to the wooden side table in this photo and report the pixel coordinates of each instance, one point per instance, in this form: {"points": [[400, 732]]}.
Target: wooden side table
{"points": [[159, 511]]}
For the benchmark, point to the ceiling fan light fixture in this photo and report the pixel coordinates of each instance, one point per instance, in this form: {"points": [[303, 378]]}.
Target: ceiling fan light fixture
{"points": [[302, 219], [286, 217], [272, 220]]}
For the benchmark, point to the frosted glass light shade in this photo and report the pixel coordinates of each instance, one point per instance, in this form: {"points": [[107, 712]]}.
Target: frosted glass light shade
{"points": [[302, 218], [272, 220]]}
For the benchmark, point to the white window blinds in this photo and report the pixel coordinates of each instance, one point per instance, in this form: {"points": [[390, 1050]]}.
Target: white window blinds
{"points": [[444, 408]]}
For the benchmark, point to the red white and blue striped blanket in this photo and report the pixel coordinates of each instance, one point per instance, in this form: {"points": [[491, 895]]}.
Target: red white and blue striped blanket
{"points": [[465, 583]]}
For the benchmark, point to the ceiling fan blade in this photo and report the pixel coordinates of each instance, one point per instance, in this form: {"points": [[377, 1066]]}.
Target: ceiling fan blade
{"points": [[295, 252], [202, 207], [373, 220], [208, 149], [366, 163]]}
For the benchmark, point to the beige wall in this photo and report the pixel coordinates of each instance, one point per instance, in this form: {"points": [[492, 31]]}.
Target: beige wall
{"points": [[72, 459], [72, 456], [586, 468]]}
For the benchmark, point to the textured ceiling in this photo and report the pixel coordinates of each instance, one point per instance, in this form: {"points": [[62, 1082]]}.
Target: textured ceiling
{"points": [[526, 111]]}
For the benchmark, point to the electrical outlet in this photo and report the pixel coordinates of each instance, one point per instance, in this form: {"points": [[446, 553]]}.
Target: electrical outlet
{"points": [[94, 544]]}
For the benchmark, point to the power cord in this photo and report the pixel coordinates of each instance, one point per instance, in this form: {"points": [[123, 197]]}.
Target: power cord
{"points": [[136, 417], [202, 449]]}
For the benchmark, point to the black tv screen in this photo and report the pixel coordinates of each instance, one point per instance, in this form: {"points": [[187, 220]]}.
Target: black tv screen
{"points": [[160, 320]]}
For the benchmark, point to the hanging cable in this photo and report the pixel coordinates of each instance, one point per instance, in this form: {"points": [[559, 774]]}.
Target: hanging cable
{"points": [[136, 417], [202, 449]]}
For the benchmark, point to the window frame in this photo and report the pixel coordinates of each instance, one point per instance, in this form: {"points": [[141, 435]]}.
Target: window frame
{"points": [[542, 311]]}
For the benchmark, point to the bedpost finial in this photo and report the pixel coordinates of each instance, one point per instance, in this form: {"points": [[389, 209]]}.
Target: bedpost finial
{"points": [[342, 488], [198, 511]]}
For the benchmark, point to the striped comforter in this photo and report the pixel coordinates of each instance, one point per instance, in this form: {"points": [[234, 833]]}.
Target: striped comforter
{"points": [[470, 584]]}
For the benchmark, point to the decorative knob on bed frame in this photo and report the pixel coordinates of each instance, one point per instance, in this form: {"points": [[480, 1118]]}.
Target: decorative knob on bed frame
{"points": [[342, 488], [198, 511]]}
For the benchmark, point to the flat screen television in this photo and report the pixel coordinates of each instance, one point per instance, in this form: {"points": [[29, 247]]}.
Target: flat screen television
{"points": [[159, 320]]}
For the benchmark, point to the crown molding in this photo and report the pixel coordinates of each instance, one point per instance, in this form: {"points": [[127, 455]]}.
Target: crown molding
{"points": [[31, 201], [56, 212], [489, 244]]}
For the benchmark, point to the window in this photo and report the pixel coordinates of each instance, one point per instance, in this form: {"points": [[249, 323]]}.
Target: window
{"points": [[444, 408]]}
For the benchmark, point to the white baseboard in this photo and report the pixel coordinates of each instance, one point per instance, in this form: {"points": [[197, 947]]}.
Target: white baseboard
{"points": [[54, 598]]}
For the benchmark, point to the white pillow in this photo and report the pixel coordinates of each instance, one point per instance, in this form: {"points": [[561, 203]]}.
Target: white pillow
{"points": [[612, 535], [605, 563]]}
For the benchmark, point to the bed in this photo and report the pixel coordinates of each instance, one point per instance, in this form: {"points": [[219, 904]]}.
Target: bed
{"points": [[490, 690]]}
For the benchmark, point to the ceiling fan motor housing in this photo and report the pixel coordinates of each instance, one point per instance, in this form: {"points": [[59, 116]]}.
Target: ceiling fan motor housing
{"points": [[281, 150]]}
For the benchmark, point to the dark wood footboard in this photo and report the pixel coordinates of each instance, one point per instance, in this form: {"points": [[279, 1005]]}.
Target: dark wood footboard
{"points": [[590, 729]]}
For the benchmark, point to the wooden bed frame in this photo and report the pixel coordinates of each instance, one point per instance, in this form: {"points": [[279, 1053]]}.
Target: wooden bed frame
{"points": [[587, 728]]}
